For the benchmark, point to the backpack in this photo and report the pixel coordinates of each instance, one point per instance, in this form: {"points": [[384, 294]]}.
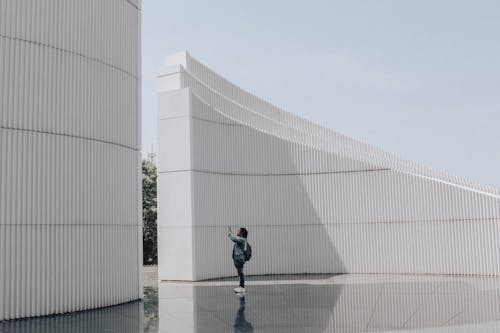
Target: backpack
{"points": [[248, 252]]}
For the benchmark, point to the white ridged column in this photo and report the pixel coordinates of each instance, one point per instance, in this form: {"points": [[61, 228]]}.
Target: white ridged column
{"points": [[313, 200], [70, 214]]}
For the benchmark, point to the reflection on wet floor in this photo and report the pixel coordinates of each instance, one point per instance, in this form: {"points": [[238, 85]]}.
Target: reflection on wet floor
{"points": [[349, 303], [121, 318], [150, 309], [341, 303], [133, 317]]}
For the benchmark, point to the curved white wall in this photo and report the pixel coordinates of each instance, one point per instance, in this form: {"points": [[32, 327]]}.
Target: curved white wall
{"points": [[314, 200], [70, 218]]}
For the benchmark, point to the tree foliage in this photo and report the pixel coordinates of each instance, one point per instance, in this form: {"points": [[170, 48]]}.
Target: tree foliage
{"points": [[149, 213]]}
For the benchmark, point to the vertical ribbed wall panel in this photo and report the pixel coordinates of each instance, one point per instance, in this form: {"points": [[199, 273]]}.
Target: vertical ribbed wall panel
{"points": [[70, 214], [253, 111], [313, 200], [52, 90]]}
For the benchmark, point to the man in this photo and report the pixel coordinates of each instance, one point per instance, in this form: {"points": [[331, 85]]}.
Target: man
{"points": [[240, 243]]}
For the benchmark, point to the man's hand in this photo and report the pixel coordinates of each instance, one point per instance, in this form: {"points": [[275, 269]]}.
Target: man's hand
{"points": [[229, 229]]}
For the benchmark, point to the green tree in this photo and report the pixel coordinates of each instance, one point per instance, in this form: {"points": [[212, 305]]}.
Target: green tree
{"points": [[149, 215]]}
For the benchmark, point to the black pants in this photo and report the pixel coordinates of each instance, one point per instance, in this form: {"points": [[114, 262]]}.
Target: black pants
{"points": [[239, 268]]}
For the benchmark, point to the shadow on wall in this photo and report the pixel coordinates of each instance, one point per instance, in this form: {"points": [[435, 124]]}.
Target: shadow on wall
{"points": [[260, 188], [308, 216]]}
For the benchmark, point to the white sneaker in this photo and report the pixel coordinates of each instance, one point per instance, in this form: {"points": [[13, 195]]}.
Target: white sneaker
{"points": [[239, 290]]}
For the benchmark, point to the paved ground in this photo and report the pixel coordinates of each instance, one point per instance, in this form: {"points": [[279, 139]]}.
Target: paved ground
{"points": [[306, 303], [340, 303]]}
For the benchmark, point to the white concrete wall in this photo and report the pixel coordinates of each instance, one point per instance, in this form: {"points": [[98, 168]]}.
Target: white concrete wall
{"points": [[70, 214], [314, 201]]}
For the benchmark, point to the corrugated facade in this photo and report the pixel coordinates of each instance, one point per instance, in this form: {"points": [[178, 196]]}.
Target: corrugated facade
{"points": [[70, 215], [313, 200]]}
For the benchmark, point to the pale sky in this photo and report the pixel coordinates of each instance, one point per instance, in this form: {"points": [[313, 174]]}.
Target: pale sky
{"points": [[417, 78]]}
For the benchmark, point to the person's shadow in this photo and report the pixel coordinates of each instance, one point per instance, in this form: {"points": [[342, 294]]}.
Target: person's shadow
{"points": [[240, 323]]}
